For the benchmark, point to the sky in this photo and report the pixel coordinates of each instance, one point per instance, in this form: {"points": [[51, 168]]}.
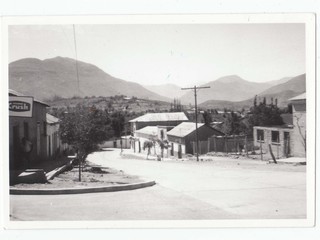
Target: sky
{"points": [[183, 54]]}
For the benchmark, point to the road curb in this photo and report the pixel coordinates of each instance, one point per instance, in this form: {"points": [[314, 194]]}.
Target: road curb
{"points": [[115, 188]]}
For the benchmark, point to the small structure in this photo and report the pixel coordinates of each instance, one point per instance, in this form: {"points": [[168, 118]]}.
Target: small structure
{"points": [[158, 119], [278, 137], [286, 140], [181, 137]]}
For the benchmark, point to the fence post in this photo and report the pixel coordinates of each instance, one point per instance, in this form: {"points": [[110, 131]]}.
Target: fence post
{"points": [[225, 144], [193, 148], [288, 148], [234, 143], [238, 147], [278, 148], [260, 148], [215, 143], [200, 145], [208, 145], [246, 142]]}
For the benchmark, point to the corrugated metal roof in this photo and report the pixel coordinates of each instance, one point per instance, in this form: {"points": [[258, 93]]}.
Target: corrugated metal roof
{"points": [[299, 97], [51, 119], [161, 117], [184, 129], [15, 93], [150, 130]]}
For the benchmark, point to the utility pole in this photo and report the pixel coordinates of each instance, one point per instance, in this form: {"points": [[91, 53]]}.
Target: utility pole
{"points": [[195, 88]]}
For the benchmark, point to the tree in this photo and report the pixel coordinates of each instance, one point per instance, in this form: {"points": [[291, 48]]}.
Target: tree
{"points": [[84, 128], [232, 124], [118, 121], [164, 144], [264, 115], [207, 118], [255, 101], [148, 144]]}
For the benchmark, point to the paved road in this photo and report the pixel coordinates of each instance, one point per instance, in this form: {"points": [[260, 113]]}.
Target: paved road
{"points": [[184, 190], [249, 190]]}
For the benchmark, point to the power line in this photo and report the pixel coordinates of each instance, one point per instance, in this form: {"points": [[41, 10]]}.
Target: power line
{"points": [[195, 88], [75, 47]]}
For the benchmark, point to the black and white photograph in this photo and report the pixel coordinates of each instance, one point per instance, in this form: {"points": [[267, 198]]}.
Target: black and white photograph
{"points": [[160, 121]]}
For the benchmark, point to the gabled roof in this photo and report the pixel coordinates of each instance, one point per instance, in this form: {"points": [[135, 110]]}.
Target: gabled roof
{"points": [[15, 93], [161, 117], [184, 129], [150, 130], [51, 119], [299, 97]]}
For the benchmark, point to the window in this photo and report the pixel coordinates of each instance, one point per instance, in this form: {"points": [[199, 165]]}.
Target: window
{"points": [[260, 135], [275, 136]]}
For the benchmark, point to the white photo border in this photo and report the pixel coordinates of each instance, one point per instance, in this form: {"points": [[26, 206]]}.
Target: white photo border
{"points": [[307, 18]]}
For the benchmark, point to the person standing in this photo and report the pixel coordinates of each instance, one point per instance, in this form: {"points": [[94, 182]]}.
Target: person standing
{"points": [[26, 147]]}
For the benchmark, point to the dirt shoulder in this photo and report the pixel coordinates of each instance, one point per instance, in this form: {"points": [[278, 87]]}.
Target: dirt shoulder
{"points": [[91, 176]]}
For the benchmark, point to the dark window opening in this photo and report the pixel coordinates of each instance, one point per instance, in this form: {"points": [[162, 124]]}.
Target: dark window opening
{"points": [[275, 136], [260, 135]]}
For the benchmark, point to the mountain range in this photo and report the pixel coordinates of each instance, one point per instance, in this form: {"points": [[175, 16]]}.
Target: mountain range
{"points": [[46, 79], [57, 77], [282, 92], [229, 88]]}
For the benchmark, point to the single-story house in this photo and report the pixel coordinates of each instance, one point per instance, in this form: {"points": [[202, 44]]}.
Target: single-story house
{"points": [[181, 137], [289, 139], [279, 137]]}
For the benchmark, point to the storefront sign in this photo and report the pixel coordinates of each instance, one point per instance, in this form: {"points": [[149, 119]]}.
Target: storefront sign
{"points": [[20, 106]]}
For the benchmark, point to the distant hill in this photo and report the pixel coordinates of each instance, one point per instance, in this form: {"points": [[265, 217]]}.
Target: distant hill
{"points": [[282, 92], [112, 103], [57, 77], [167, 90], [297, 85], [228, 88], [278, 81]]}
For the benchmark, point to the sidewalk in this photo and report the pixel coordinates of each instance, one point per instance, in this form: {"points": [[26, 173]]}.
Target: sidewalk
{"points": [[47, 166], [292, 160]]}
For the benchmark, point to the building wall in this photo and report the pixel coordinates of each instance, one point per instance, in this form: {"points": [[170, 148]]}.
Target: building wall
{"points": [[299, 129], [34, 129], [204, 133], [278, 149]]}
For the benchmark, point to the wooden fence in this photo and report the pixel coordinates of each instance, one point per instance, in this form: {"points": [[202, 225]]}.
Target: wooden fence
{"points": [[227, 144]]}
